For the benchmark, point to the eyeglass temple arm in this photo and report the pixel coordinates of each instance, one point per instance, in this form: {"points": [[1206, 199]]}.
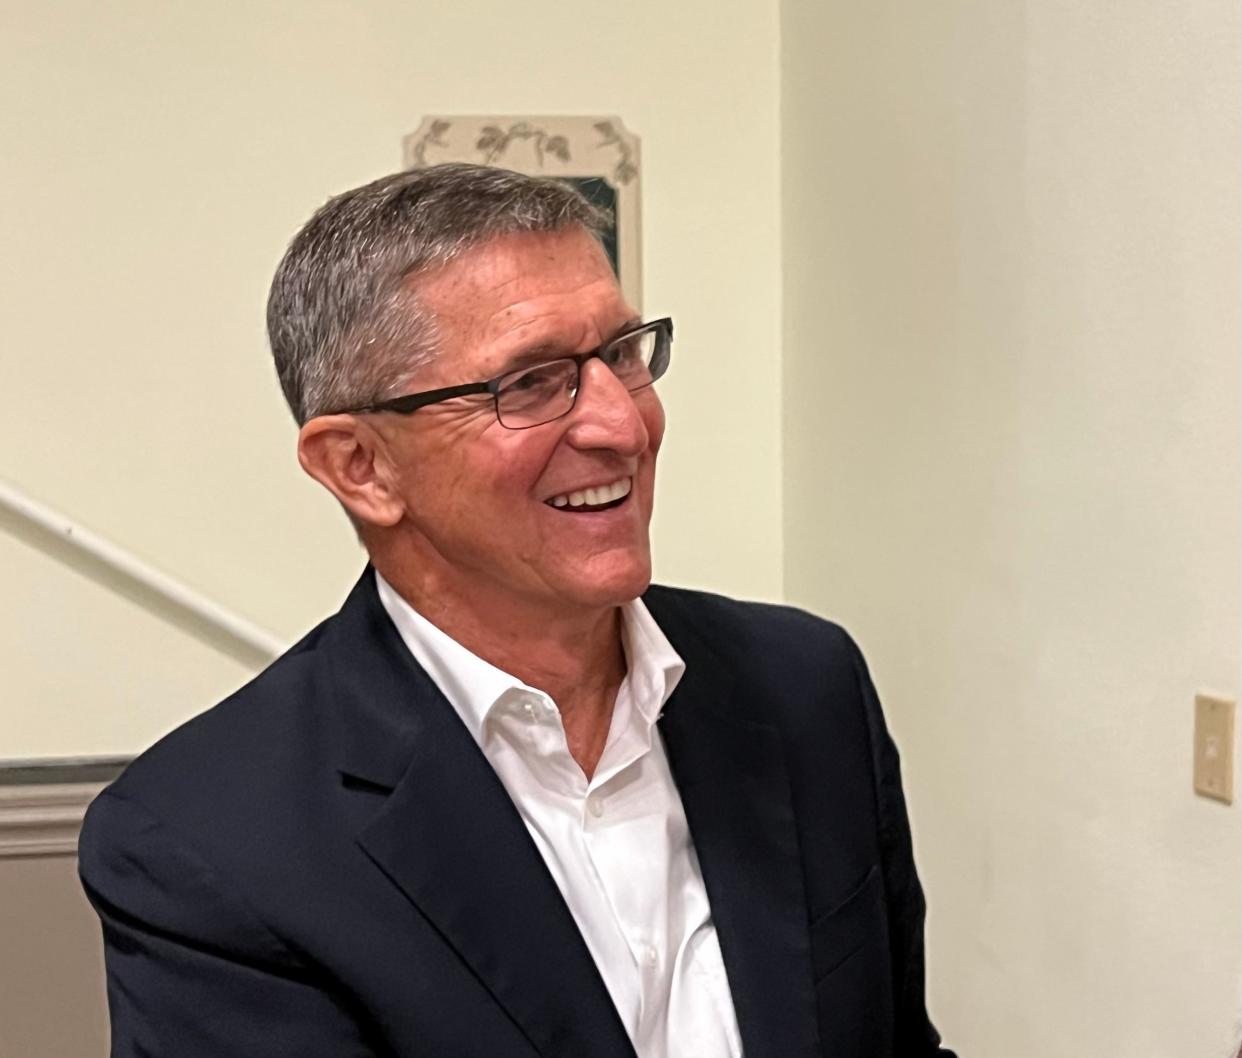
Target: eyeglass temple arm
{"points": [[413, 401]]}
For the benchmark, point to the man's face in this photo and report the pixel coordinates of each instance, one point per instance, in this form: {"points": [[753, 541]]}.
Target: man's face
{"points": [[480, 523]]}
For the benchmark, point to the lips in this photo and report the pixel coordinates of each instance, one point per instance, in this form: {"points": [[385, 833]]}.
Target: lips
{"points": [[597, 497]]}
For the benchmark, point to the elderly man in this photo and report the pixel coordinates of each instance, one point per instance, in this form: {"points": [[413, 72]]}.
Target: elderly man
{"points": [[509, 801]]}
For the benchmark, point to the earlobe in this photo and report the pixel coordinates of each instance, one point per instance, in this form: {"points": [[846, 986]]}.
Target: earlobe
{"points": [[345, 456]]}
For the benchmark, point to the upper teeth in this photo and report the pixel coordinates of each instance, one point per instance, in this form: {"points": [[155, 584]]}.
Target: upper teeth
{"points": [[593, 497]]}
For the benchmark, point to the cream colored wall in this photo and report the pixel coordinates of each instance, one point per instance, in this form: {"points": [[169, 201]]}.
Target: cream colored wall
{"points": [[1011, 402], [157, 159], [1011, 439]]}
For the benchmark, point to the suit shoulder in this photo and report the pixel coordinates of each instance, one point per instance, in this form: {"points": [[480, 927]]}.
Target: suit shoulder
{"points": [[175, 889], [229, 738], [767, 629], [785, 664]]}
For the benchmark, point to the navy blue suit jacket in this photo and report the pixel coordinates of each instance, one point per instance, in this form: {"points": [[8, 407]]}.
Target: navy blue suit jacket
{"points": [[326, 865]]}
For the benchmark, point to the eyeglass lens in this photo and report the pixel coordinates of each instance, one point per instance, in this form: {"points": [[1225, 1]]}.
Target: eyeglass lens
{"points": [[539, 394]]}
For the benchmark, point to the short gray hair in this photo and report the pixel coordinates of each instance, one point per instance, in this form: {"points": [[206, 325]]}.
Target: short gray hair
{"points": [[344, 323]]}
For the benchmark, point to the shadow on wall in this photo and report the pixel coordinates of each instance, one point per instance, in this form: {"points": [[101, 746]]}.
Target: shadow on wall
{"points": [[52, 997]]}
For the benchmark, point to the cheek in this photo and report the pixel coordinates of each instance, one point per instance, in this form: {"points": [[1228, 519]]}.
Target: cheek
{"points": [[508, 470], [653, 420]]}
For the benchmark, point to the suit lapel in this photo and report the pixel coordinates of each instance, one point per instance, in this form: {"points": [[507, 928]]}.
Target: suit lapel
{"points": [[450, 838], [735, 790]]}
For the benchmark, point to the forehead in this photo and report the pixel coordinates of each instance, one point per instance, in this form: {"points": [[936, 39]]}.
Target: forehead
{"points": [[555, 288]]}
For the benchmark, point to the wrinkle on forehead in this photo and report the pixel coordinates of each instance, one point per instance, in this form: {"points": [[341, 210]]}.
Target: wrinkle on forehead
{"points": [[523, 289]]}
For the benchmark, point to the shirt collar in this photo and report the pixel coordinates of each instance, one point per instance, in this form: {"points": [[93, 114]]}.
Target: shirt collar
{"points": [[474, 686], [653, 667]]}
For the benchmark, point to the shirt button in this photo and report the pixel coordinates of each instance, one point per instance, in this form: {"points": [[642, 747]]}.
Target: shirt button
{"points": [[595, 805], [649, 955]]}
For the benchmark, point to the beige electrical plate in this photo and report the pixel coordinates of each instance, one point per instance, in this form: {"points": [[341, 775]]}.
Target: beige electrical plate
{"points": [[1214, 720]]}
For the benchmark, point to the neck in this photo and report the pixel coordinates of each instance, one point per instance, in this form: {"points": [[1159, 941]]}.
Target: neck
{"points": [[572, 654]]}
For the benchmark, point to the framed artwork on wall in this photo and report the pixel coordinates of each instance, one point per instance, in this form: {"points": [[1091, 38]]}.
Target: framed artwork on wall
{"points": [[598, 155]]}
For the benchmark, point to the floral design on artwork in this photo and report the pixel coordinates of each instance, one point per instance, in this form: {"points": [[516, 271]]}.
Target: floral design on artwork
{"points": [[595, 153], [626, 170], [433, 137], [494, 141]]}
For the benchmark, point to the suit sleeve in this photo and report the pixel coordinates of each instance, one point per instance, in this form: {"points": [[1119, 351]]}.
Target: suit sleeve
{"points": [[915, 1036], [192, 972]]}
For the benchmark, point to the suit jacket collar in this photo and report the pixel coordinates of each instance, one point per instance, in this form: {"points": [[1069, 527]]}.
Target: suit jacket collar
{"points": [[486, 888]]}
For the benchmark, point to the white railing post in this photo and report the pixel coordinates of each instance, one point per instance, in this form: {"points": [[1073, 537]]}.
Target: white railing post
{"points": [[124, 573]]}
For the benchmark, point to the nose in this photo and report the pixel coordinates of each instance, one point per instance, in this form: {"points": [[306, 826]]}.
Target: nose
{"points": [[605, 415]]}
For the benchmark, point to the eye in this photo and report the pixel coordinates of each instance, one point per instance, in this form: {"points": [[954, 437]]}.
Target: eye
{"points": [[540, 377], [526, 392], [629, 354]]}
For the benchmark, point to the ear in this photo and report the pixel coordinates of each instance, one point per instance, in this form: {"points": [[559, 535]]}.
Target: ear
{"points": [[348, 458]]}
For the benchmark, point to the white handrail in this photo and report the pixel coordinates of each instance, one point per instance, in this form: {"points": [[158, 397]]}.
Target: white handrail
{"points": [[116, 568]]}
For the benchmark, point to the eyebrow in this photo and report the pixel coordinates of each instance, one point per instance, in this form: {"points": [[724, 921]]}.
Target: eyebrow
{"points": [[546, 351], [536, 354]]}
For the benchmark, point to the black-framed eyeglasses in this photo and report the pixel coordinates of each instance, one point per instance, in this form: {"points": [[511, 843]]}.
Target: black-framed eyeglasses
{"points": [[532, 396]]}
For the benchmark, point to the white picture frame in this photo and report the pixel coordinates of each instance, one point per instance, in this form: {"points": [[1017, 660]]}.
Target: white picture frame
{"points": [[597, 154]]}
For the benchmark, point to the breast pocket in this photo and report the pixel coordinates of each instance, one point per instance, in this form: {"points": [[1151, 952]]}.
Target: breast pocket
{"points": [[853, 976], [839, 933]]}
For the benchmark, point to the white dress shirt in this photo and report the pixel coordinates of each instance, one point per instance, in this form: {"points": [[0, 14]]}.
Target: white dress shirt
{"points": [[617, 845]]}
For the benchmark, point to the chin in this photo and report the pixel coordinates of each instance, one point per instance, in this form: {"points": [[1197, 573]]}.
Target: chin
{"points": [[611, 587]]}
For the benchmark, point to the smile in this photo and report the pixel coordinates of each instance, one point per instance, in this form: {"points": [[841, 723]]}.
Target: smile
{"points": [[597, 498]]}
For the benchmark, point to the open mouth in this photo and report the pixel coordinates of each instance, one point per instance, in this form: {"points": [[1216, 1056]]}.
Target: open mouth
{"points": [[597, 498]]}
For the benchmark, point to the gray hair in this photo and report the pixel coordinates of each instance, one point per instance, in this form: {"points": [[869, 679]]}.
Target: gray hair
{"points": [[343, 319]]}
